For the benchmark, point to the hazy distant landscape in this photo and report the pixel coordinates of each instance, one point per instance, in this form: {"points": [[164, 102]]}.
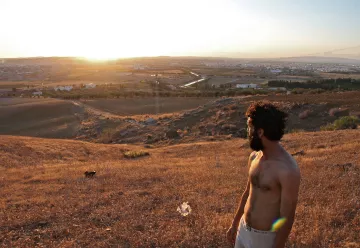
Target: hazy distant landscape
{"points": [[75, 98]]}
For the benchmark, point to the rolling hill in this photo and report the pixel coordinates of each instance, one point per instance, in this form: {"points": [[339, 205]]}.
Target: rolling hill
{"points": [[46, 201], [49, 118]]}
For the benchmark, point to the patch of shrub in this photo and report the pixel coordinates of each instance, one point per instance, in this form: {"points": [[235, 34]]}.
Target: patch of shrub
{"points": [[297, 91], [346, 122], [328, 127], [135, 154], [316, 91]]}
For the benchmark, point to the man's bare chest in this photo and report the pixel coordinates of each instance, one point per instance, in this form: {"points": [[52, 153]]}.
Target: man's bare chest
{"points": [[263, 176]]}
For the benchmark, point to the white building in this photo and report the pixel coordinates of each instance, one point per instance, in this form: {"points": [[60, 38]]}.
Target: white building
{"points": [[37, 93], [63, 88], [221, 64], [90, 86], [275, 71], [139, 67], [246, 86]]}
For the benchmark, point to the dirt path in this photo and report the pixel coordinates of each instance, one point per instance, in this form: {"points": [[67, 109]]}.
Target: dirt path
{"points": [[95, 111], [100, 113]]}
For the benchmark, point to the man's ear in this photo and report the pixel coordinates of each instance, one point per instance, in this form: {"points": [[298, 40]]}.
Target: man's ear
{"points": [[260, 132]]}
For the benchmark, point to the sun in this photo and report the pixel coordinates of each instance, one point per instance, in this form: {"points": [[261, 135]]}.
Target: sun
{"points": [[101, 52], [100, 58]]}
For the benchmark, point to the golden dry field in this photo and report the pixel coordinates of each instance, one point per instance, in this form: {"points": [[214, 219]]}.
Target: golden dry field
{"points": [[47, 202]]}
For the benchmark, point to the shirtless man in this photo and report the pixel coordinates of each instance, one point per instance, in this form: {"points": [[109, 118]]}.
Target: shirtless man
{"points": [[273, 184]]}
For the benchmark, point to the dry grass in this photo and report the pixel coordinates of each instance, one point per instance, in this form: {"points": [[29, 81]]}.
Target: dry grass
{"points": [[46, 201]]}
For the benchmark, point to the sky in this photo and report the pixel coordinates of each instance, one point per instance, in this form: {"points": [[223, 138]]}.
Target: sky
{"points": [[106, 29]]}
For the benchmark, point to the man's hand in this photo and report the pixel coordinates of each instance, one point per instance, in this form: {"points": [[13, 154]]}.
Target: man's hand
{"points": [[231, 234]]}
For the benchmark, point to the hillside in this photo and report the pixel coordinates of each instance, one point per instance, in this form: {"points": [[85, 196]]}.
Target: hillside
{"points": [[50, 118], [46, 201], [180, 120], [220, 118]]}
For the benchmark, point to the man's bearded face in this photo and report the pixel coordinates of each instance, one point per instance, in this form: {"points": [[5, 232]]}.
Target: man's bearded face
{"points": [[254, 139]]}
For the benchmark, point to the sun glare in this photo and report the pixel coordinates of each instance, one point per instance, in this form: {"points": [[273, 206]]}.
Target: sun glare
{"points": [[122, 29], [100, 58]]}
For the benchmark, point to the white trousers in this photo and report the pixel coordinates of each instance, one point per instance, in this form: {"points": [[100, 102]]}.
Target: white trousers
{"points": [[248, 237]]}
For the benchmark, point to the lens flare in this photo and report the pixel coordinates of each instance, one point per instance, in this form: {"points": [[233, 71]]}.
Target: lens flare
{"points": [[278, 224], [184, 209]]}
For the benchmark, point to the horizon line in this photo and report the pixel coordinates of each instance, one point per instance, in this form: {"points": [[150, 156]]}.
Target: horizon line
{"points": [[181, 56]]}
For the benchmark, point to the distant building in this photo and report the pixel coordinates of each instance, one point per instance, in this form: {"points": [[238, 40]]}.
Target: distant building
{"points": [[90, 86], [63, 88], [275, 71], [37, 93], [221, 64], [246, 86], [139, 67]]}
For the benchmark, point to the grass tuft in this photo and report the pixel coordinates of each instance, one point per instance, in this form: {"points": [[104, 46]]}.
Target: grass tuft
{"points": [[135, 154]]}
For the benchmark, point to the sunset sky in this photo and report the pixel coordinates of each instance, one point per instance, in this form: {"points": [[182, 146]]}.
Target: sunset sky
{"points": [[129, 28]]}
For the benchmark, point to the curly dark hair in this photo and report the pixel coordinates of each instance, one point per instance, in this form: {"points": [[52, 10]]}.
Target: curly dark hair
{"points": [[269, 117]]}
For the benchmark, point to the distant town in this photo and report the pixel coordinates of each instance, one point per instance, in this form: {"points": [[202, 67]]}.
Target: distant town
{"points": [[33, 76]]}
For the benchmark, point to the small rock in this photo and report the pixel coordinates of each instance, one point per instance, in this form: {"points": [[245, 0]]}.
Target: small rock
{"points": [[298, 153], [151, 122]]}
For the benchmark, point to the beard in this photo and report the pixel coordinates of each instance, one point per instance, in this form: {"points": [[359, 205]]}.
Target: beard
{"points": [[255, 142]]}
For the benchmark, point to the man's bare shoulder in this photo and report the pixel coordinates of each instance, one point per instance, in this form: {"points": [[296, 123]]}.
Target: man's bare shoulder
{"points": [[252, 156], [292, 164], [288, 167], [286, 164]]}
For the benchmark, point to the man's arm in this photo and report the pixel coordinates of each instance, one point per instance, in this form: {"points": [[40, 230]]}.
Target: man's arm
{"points": [[244, 196], [290, 182], [241, 207]]}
